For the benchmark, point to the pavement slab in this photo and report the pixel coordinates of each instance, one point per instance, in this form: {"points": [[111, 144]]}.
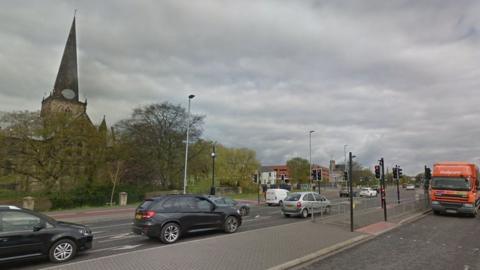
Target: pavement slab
{"points": [[377, 228], [258, 249]]}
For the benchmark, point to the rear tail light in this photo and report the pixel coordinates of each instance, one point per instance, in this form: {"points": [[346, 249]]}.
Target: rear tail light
{"points": [[148, 214], [299, 204]]}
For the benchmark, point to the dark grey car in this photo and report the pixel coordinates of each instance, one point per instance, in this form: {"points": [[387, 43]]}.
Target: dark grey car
{"points": [[26, 234], [243, 208], [169, 217]]}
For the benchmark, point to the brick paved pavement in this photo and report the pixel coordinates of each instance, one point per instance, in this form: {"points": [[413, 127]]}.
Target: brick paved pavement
{"points": [[258, 249]]}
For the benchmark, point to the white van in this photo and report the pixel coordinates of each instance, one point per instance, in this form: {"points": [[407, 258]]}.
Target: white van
{"points": [[276, 196]]}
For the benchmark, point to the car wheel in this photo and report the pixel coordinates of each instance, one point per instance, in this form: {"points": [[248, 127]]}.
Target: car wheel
{"points": [[436, 212], [269, 204], [170, 233], [287, 215], [62, 251], [231, 224], [304, 213]]}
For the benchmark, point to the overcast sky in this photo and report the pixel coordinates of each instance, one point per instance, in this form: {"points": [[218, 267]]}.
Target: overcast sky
{"points": [[392, 79]]}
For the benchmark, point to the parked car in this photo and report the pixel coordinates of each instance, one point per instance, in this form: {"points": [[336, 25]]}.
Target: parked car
{"points": [[376, 188], [368, 192], [410, 187], [276, 196], [169, 217], [26, 234], [303, 203], [244, 208], [345, 192]]}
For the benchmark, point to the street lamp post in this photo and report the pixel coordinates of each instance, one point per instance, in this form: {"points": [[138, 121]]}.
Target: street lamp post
{"points": [[345, 155], [310, 154], [190, 97], [212, 189]]}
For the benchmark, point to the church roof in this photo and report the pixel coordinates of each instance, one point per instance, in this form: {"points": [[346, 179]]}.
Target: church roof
{"points": [[67, 77]]}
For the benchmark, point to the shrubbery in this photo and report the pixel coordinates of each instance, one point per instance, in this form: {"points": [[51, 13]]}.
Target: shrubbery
{"points": [[94, 196]]}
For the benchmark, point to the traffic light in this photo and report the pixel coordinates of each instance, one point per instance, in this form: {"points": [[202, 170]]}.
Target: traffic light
{"points": [[319, 175], [255, 178], [282, 177], [399, 172], [395, 172], [428, 173], [377, 171], [314, 175], [345, 176]]}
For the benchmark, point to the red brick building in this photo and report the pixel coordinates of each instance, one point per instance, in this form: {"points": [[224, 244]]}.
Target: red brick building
{"points": [[281, 172]]}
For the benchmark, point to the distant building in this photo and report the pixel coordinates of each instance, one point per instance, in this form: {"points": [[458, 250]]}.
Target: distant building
{"points": [[337, 172], [278, 174]]}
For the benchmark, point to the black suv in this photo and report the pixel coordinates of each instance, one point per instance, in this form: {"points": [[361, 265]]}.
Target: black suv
{"points": [[168, 217], [26, 234]]}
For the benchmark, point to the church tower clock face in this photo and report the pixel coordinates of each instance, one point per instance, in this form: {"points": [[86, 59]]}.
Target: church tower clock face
{"points": [[68, 93]]}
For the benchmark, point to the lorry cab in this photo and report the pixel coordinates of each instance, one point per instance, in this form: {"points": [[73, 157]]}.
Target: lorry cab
{"points": [[454, 188]]}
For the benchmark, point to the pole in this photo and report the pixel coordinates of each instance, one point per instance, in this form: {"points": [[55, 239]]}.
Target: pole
{"points": [[345, 156], [398, 184], [350, 184], [258, 191], [186, 147], [310, 154], [212, 189], [384, 204]]}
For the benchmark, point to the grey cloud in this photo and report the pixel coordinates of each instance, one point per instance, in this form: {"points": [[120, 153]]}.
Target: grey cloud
{"points": [[397, 79]]}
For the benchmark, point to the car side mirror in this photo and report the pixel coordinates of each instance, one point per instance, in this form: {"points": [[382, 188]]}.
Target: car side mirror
{"points": [[39, 226]]}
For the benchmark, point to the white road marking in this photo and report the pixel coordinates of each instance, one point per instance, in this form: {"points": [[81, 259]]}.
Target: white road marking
{"points": [[127, 247], [113, 225], [259, 218], [113, 236], [116, 239]]}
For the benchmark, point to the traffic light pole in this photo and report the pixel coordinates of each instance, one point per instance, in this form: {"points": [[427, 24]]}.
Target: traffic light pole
{"points": [[384, 203], [350, 184], [397, 174], [258, 191]]}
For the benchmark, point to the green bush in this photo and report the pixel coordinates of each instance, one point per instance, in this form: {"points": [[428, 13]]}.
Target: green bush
{"points": [[200, 187], [94, 196]]}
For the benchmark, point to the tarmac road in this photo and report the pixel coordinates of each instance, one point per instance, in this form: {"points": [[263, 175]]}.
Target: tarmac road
{"points": [[114, 236], [433, 242]]}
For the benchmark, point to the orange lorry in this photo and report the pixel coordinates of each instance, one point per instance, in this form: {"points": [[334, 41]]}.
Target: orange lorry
{"points": [[454, 188]]}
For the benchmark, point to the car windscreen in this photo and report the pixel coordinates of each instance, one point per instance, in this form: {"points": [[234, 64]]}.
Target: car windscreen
{"points": [[451, 183], [293, 197]]}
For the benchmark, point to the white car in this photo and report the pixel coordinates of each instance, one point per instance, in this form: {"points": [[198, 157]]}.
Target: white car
{"points": [[368, 192], [410, 187], [276, 196]]}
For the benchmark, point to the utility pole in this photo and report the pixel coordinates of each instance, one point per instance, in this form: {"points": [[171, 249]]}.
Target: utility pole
{"points": [[350, 184], [310, 154], [258, 183], [212, 189], [396, 174], [186, 146], [382, 186]]}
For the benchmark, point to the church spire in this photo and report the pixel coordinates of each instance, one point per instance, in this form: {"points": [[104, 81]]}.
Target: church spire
{"points": [[67, 77]]}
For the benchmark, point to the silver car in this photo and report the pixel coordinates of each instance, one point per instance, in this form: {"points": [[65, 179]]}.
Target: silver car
{"points": [[303, 203]]}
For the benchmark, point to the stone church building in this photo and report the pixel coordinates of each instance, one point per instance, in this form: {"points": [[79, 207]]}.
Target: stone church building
{"points": [[68, 150]]}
